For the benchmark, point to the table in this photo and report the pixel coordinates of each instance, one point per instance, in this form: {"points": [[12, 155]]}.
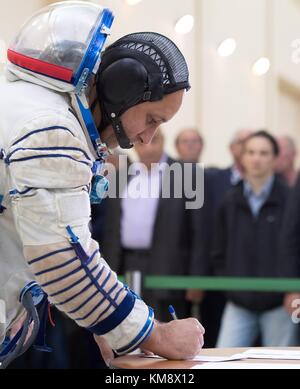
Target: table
{"points": [[139, 362]]}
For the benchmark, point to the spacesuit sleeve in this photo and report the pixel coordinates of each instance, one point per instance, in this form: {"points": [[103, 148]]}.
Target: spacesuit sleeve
{"points": [[49, 170]]}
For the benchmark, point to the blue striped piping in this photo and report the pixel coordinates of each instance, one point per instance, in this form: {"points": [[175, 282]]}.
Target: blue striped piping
{"points": [[106, 280], [49, 149], [15, 192], [73, 285], [54, 128], [90, 298], [1, 207], [113, 288], [92, 257], [83, 304], [102, 314], [93, 310], [62, 277], [50, 255], [141, 337], [82, 255], [118, 294], [82, 290], [111, 303], [45, 157], [116, 318], [51, 269], [99, 304]]}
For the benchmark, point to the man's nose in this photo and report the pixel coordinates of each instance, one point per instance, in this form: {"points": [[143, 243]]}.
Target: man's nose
{"points": [[147, 135]]}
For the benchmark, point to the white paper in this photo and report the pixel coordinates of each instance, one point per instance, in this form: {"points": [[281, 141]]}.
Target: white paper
{"points": [[255, 353], [204, 358], [239, 365], [272, 354]]}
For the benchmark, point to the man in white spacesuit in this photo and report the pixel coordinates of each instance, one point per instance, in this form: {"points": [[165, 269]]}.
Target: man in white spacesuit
{"points": [[54, 106]]}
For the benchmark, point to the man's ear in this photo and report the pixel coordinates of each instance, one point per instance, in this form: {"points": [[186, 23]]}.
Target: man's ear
{"points": [[123, 82]]}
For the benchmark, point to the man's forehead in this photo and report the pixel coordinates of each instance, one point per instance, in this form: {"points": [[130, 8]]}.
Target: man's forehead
{"points": [[164, 112], [190, 134], [171, 103], [258, 143]]}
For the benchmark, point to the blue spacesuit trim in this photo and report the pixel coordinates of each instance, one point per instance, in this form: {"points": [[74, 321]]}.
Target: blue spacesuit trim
{"points": [[51, 254], [86, 288], [93, 52], [54, 128], [62, 277], [51, 269], [73, 285], [116, 318], [15, 192], [48, 149], [1, 206], [90, 298], [45, 157], [142, 336]]}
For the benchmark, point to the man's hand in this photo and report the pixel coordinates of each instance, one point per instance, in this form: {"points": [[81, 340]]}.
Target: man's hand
{"points": [[195, 296], [106, 351], [176, 340], [288, 302]]}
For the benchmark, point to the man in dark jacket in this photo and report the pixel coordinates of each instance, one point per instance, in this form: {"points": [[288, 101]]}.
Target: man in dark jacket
{"points": [[217, 183], [152, 233], [246, 245], [290, 245]]}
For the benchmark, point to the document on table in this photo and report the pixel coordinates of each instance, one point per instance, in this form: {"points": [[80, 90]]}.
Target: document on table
{"points": [[256, 353], [239, 366], [204, 358]]}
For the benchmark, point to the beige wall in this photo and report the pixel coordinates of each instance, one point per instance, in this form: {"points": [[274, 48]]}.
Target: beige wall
{"points": [[13, 13], [144, 17], [231, 96], [225, 95]]}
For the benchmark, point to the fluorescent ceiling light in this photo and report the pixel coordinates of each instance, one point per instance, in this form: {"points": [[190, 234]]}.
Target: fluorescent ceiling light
{"points": [[185, 24], [261, 66], [227, 47], [132, 2]]}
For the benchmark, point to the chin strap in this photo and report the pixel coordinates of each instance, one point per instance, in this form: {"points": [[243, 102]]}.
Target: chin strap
{"points": [[110, 117], [85, 114], [121, 136]]}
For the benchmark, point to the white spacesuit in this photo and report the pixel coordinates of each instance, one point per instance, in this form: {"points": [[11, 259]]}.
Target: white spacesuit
{"points": [[46, 163]]}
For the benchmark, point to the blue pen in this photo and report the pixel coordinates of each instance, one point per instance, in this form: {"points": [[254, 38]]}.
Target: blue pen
{"points": [[172, 312]]}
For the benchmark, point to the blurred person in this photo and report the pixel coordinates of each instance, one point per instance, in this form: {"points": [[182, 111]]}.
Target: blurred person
{"points": [[217, 183], [189, 144], [234, 174], [100, 213], [152, 234], [246, 244], [286, 160], [63, 105], [290, 246]]}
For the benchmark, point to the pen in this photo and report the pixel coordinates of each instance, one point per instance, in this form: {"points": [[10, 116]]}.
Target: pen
{"points": [[172, 312]]}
